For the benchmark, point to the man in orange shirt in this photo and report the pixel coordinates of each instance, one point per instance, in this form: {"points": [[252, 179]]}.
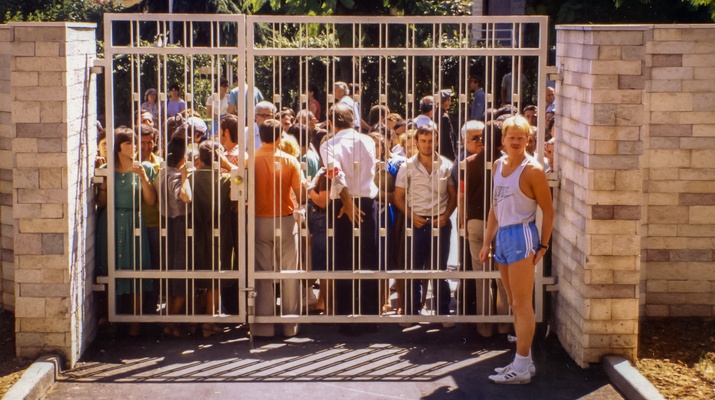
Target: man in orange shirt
{"points": [[279, 173]]}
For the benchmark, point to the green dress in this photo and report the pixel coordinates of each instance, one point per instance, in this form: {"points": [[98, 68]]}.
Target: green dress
{"points": [[131, 252]]}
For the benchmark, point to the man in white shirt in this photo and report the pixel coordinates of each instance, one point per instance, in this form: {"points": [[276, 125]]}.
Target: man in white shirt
{"points": [[350, 160], [427, 194], [342, 96]]}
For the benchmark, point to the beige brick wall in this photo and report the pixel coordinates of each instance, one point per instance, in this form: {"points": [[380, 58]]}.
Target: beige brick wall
{"points": [[679, 226], [50, 212], [7, 132], [635, 221]]}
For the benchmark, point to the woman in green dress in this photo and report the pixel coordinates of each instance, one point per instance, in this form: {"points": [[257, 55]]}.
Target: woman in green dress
{"points": [[131, 180]]}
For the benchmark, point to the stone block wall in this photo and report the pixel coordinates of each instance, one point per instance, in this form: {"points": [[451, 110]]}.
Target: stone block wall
{"points": [[679, 226], [635, 222], [52, 101], [7, 133], [597, 240]]}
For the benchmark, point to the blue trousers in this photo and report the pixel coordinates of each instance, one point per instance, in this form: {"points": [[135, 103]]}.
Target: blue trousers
{"points": [[427, 252]]}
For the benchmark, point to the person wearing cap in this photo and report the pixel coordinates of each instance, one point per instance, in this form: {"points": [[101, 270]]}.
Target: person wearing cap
{"points": [[479, 104], [447, 140], [197, 127], [151, 105]]}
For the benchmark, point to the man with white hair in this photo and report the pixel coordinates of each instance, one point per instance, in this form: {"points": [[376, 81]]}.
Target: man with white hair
{"points": [[342, 96], [264, 110]]}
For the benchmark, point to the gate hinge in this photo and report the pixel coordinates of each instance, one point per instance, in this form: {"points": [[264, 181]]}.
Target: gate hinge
{"points": [[101, 285], [551, 283], [553, 179], [98, 66], [99, 174], [552, 73]]}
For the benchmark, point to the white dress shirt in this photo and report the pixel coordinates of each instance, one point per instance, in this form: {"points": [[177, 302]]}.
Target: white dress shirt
{"points": [[354, 155], [425, 194]]}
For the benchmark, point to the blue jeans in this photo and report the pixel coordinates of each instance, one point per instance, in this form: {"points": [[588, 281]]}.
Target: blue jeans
{"points": [[317, 225], [427, 252]]}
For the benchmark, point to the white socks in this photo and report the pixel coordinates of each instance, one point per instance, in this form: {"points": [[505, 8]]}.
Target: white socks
{"points": [[521, 363]]}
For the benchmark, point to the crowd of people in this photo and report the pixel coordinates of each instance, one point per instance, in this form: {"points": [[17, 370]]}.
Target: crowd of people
{"points": [[375, 194]]}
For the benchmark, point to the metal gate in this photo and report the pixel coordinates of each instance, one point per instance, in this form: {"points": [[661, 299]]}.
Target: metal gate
{"points": [[393, 62]]}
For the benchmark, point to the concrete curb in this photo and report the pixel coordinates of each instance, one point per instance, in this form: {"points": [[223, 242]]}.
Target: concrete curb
{"points": [[628, 380], [36, 380]]}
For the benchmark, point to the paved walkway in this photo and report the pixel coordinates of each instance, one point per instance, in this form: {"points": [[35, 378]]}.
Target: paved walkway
{"points": [[421, 362]]}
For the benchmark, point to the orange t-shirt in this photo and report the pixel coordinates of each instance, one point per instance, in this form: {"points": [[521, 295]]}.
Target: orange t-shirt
{"points": [[277, 174]]}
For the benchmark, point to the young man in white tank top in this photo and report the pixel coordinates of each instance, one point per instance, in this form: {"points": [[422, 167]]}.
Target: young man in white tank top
{"points": [[519, 187]]}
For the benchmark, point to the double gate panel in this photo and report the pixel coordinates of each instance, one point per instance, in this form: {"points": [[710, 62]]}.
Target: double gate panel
{"points": [[170, 261], [384, 269]]}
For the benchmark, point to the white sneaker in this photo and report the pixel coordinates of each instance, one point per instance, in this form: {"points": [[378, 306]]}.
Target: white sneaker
{"points": [[531, 369], [510, 377]]}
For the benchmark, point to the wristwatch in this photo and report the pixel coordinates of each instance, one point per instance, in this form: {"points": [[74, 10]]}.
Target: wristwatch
{"points": [[543, 246]]}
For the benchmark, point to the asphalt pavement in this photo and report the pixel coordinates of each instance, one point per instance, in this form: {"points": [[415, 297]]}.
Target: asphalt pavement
{"points": [[424, 361]]}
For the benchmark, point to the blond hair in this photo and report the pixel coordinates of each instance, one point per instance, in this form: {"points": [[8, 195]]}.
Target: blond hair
{"points": [[516, 122]]}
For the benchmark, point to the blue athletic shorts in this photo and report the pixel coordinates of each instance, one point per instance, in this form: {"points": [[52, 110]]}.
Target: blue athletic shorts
{"points": [[515, 242]]}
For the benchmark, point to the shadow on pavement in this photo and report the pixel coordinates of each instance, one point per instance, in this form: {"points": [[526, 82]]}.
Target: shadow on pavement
{"points": [[423, 361]]}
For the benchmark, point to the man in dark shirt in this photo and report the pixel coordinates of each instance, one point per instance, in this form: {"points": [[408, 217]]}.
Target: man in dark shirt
{"points": [[475, 189]]}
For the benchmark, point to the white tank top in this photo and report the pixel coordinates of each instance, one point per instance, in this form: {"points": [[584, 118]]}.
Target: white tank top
{"points": [[511, 205]]}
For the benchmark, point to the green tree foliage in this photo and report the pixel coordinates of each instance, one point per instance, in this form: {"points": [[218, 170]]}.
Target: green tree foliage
{"points": [[56, 10], [624, 11], [353, 7]]}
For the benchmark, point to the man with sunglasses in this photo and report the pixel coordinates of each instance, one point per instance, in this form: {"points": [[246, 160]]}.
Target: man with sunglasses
{"points": [[264, 110]]}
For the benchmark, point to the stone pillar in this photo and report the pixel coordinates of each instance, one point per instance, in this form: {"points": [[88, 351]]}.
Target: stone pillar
{"points": [[54, 114], [7, 133], [597, 237]]}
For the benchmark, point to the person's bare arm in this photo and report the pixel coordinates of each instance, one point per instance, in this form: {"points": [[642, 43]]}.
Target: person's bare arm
{"points": [[489, 234], [209, 110], [417, 220], [185, 193], [353, 212], [301, 191], [320, 199], [148, 192], [492, 226], [536, 178], [451, 205], [102, 194]]}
